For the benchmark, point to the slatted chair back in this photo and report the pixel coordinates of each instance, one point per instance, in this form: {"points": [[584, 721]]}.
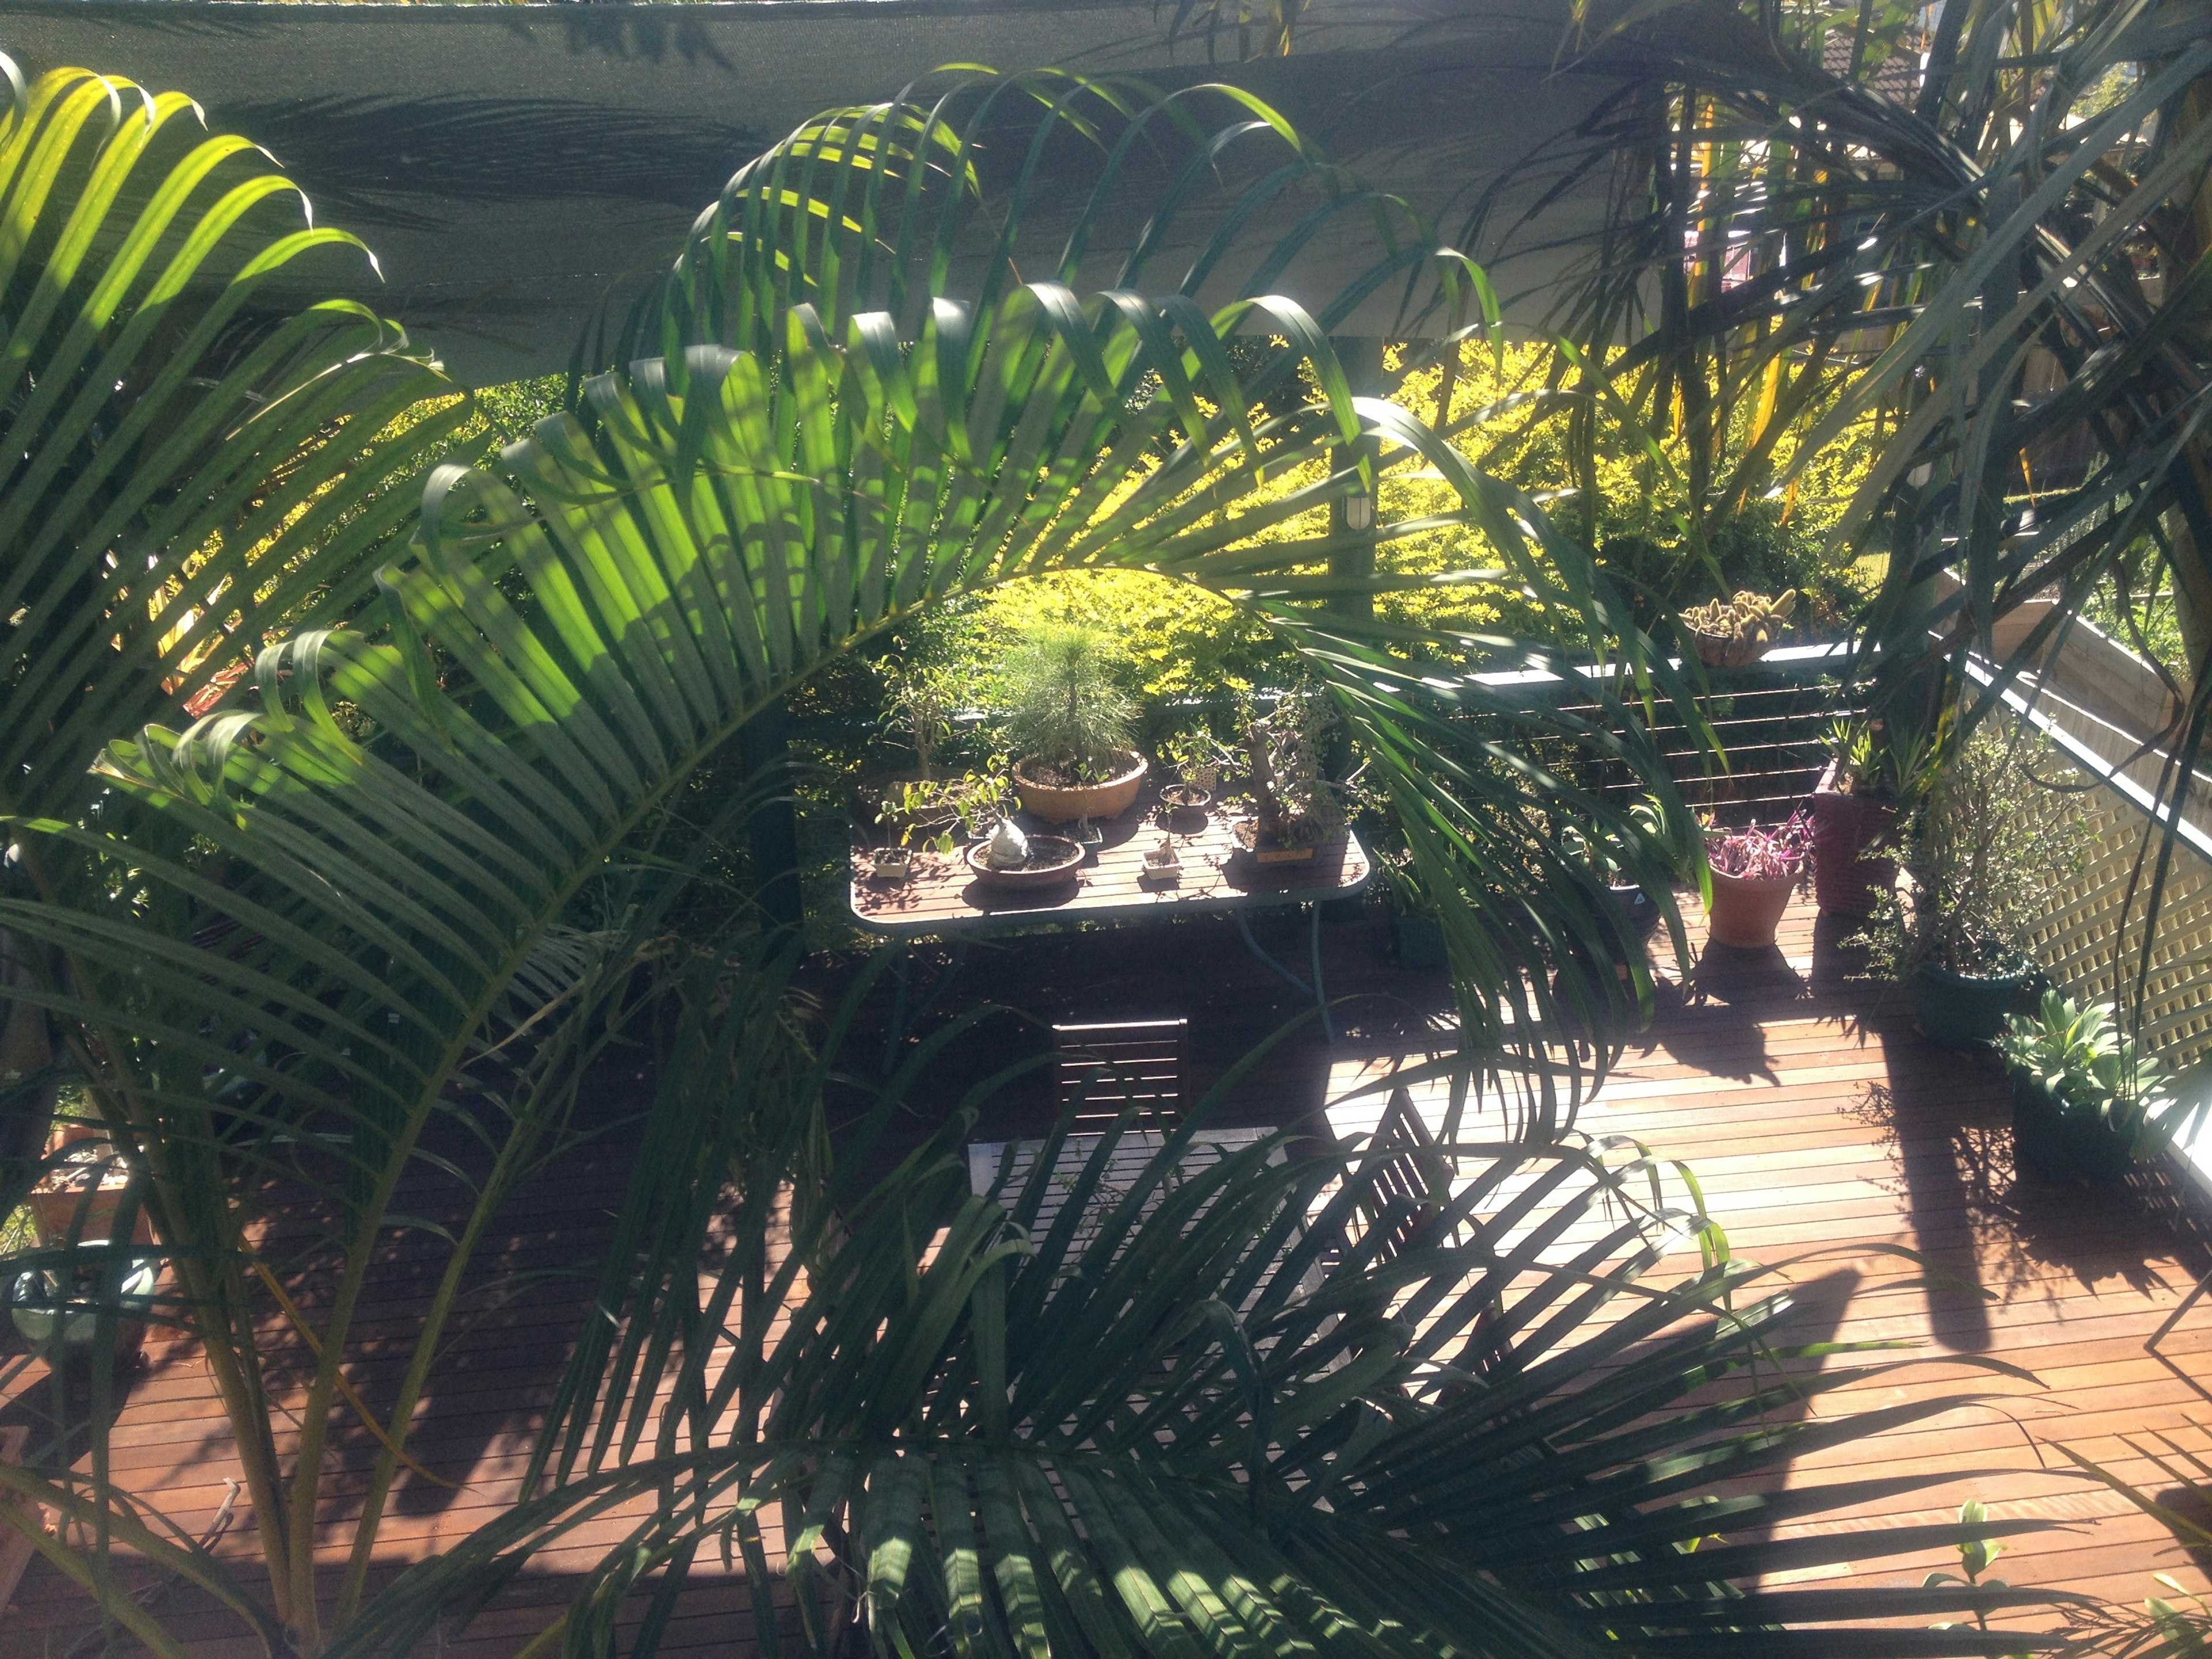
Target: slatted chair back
{"points": [[1413, 1180], [1108, 1066]]}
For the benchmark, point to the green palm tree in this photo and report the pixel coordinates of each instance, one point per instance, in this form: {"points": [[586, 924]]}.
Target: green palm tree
{"points": [[1984, 229], [420, 869]]}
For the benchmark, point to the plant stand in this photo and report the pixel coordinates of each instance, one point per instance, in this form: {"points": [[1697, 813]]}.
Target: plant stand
{"points": [[1846, 827]]}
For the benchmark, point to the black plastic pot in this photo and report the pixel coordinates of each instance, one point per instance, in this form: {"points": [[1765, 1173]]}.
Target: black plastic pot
{"points": [[2062, 1144], [1417, 942], [1639, 916], [1962, 1009]]}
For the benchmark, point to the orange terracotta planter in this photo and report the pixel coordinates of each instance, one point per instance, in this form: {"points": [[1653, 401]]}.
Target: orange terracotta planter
{"points": [[1096, 801], [1745, 913]]}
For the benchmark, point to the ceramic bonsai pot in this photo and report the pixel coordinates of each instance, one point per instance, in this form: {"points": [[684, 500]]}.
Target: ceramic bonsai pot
{"points": [[1845, 826], [1746, 911], [1962, 1010], [1053, 859], [1096, 801], [2062, 1145], [1247, 834], [1186, 805], [890, 863]]}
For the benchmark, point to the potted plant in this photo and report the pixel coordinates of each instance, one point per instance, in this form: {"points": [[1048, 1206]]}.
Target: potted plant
{"points": [[1070, 724], [938, 814], [1196, 760], [1609, 857], [1162, 867], [1730, 633], [1988, 844], [1874, 770], [1294, 810], [1754, 871], [2083, 1093]]}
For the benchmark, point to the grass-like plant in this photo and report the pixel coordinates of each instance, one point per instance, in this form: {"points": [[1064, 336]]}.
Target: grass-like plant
{"points": [[1069, 720]]}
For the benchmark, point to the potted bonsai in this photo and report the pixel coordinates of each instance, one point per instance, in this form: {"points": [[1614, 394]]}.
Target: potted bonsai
{"points": [[938, 814], [1294, 810], [1731, 633], [1070, 726], [1196, 758], [1875, 771], [1988, 844], [1754, 871], [2083, 1093]]}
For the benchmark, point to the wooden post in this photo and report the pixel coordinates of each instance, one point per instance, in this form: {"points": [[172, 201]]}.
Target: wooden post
{"points": [[1361, 354], [772, 828]]}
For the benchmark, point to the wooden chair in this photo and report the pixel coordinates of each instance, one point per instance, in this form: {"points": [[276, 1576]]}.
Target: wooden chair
{"points": [[1108, 1067]]}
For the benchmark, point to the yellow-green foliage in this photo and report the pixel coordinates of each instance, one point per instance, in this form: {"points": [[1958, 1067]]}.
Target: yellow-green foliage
{"points": [[1171, 640]]}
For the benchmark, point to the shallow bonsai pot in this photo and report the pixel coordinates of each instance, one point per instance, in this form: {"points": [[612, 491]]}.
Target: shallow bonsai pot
{"points": [[1247, 834], [1845, 882], [1962, 1009], [1092, 800], [2062, 1145], [1160, 872], [1053, 859], [891, 863], [1746, 911], [38, 1306]]}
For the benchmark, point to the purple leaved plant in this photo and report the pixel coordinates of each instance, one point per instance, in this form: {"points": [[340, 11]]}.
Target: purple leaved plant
{"points": [[1762, 855]]}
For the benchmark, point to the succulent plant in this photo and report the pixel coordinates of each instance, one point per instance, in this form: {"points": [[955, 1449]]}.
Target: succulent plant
{"points": [[1748, 618]]}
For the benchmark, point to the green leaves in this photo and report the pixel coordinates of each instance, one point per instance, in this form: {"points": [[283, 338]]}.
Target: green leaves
{"points": [[1240, 1403], [180, 467]]}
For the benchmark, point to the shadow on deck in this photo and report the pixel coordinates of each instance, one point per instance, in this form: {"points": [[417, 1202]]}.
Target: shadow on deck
{"points": [[1825, 1131]]}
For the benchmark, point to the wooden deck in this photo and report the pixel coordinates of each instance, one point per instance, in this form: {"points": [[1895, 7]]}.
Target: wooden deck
{"points": [[1821, 1126]]}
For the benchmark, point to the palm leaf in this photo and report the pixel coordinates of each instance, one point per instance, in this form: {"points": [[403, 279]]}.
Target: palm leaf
{"points": [[1176, 1440]]}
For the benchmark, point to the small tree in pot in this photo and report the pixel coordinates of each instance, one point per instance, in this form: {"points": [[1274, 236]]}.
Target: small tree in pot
{"points": [[1989, 843], [1070, 724], [1294, 809]]}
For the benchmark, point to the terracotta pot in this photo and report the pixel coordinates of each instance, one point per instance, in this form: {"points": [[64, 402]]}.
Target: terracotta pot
{"points": [[1725, 650], [1746, 912], [1095, 801], [1845, 882]]}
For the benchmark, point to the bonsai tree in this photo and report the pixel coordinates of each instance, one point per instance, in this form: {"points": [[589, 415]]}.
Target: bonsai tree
{"points": [[1990, 841], [1070, 719], [1294, 804], [919, 700]]}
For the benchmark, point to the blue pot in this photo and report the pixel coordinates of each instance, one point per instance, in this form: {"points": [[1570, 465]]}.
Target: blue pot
{"points": [[2065, 1146], [1417, 942], [1960, 1011]]}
